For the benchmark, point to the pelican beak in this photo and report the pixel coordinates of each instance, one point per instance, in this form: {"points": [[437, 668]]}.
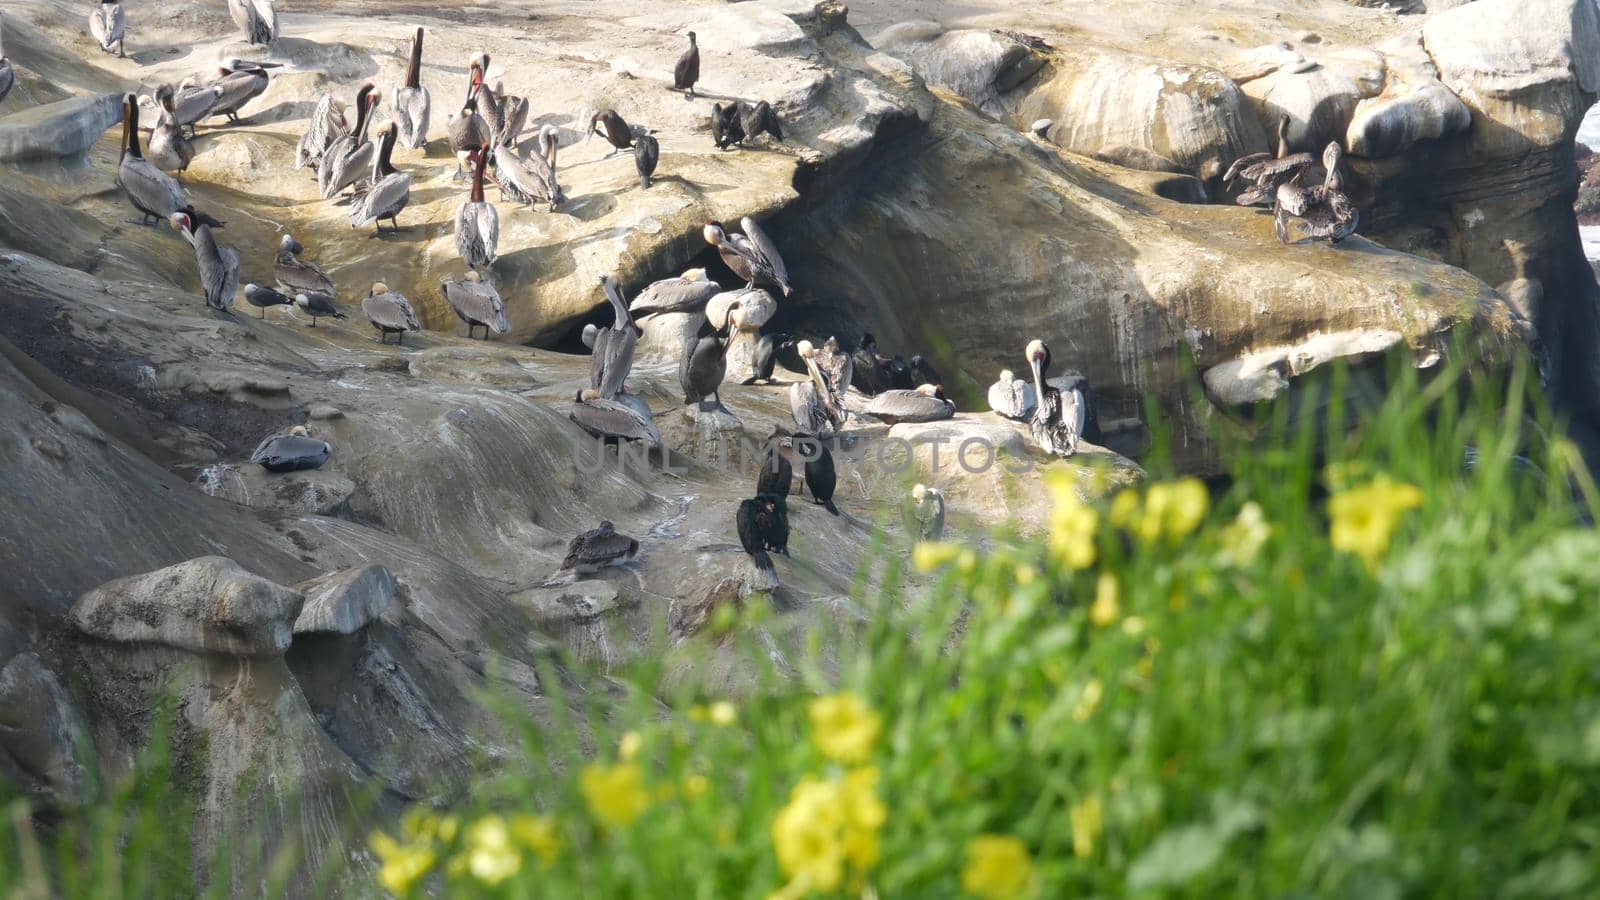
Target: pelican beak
{"points": [[1036, 363]]}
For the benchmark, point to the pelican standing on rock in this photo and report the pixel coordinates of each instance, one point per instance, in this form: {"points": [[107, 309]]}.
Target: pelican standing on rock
{"points": [[411, 101], [614, 418], [108, 26], [1011, 397], [765, 358], [8, 74], [390, 190], [614, 346], [390, 313], [326, 124], [925, 520], [297, 275], [257, 19], [598, 548], [752, 255], [688, 292], [263, 297], [811, 401], [646, 153], [838, 366], [238, 82], [170, 151], [194, 102], [218, 265], [1060, 418], [151, 191], [529, 178], [705, 364], [291, 452], [350, 155], [1265, 171], [1326, 210], [317, 305], [476, 303], [477, 221], [687, 71], [924, 404]]}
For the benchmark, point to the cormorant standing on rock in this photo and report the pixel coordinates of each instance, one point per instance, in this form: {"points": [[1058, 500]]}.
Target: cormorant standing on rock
{"points": [[777, 473], [765, 358], [754, 518], [821, 478], [687, 71], [646, 153], [923, 372], [706, 363], [726, 127], [868, 374]]}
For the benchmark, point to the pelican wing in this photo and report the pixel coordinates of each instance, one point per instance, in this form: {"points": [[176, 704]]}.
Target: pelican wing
{"points": [[392, 311], [411, 109], [301, 276], [266, 21], [236, 89], [477, 233], [805, 402], [325, 123], [347, 168], [1278, 169], [1244, 162], [674, 295], [477, 303], [384, 200], [608, 418], [619, 360], [598, 548], [526, 179], [909, 406], [151, 190], [219, 268], [768, 252]]}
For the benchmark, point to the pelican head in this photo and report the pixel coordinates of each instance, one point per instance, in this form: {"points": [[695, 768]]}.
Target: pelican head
{"points": [[590, 332], [287, 243], [714, 234], [302, 301], [587, 394], [919, 493], [728, 321], [1331, 155], [473, 276], [180, 222], [378, 287], [928, 390], [300, 431], [805, 349], [694, 275]]}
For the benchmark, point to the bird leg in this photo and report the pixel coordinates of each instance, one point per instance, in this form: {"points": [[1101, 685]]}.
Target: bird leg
{"points": [[313, 321], [263, 312]]}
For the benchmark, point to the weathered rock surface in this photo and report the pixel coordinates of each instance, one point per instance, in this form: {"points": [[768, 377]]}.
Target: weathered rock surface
{"points": [[205, 605], [65, 128], [345, 601], [321, 492], [42, 734]]}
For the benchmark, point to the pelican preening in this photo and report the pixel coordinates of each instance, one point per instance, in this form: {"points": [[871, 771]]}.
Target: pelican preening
{"points": [[705, 363], [1012, 397], [297, 275], [811, 401], [925, 520], [170, 151], [687, 71], [349, 157], [752, 255], [1265, 171], [218, 265], [765, 358], [1325, 209], [614, 346], [926, 403], [477, 221], [390, 313], [646, 153], [238, 82], [151, 191], [291, 452], [257, 19], [263, 297], [1061, 417], [317, 305], [529, 178], [327, 122], [108, 26], [389, 193], [411, 101], [598, 548], [194, 102], [616, 419], [689, 292], [505, 114], [476, 303], [838, 366]]}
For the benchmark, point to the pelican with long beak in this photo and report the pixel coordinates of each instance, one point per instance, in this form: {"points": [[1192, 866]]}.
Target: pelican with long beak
{"points": [[614, 346], [811, 401], [411, 101], [239, 81], [151, 191], [752, 256], [218, 265], [350, 156], [1061, 418], [477, 221], [468, 130]]}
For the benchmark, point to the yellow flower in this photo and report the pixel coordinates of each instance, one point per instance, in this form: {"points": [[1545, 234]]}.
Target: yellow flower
{"points": [[998, 867], [628, 747], [806, 835], [1364, 519], [1026, 575], [490, 855], [538, 833], [1088, 700], [699, 713], [1171, 511], [1087, 824], [616, 794], [696, 785], [1244, 537], [1107, 606], [1124, 507], [844, 727], [1188, 508], [724, 713], [1133, 626], [402, 865], [1072, 526], [929, 555]]}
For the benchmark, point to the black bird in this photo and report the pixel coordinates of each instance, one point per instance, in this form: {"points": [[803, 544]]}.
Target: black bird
{"points": [[761, 119], [752, 516], [923, 372], [773, 519], [706, 363], [821, 478], [900, 374], [766, 356], [646, 153], [726, 127], [613, 127], [263, 297], [868, 374], [687, 71], [777, 473]]}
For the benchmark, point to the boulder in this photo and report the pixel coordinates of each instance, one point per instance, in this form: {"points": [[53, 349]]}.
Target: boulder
{"points": [[667, 337], [64, 128], [321, 492], [205, 605], [42, 733], [560, 605], [978, 65], [1403, 115], [345, 601]]}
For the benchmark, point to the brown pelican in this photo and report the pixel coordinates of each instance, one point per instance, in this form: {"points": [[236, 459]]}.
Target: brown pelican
{"points": [[349, 157], [298, 276], [925, 516], [256, 18], [613, 418], [838, 366], [765, 357], [411, 101], [1266, 171], [759, 119], [8, 74], [528, 178], [590, 333], [705, 363], [1011, 397], [689, 292], [390, 190], [153, 192], [218, 265], [821, 478], [811, 401], [505, 114], [317, 305], [615, 129], [868, 374], [1325, 209], [597, 548], [476, 303], [239, 81], [390, 313], [327, 122], [263, 297], [291, 452], [477, 221], [108, 26], [1061, 418], [925, 404], [468, 130], [193, 102], [646, 153], [687, 71], [614, 346], [752, 255], [170, 151], [726, 127]]}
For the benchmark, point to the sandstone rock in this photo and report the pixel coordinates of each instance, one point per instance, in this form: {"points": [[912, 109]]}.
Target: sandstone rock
{"points": [[1265, 374], [564, 604], [205, 605], [978, 65], [322, 492], [1393, 121], [486, 365], [42, 732], [65, 128], [667, 337], [345, 601]]}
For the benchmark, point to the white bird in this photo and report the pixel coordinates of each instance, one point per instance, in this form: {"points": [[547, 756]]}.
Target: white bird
{"points": [[257, 19], [108, 26], [1011, 396], [478, 222]]}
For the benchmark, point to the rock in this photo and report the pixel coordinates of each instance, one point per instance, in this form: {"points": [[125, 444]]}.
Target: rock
{"points": [[1392, 122], [42, 733], [690, 615], [486, 365], [345, 601], [321, 492], [64, 128], [206, 605], [564, 604], [1263, 375], [667, 337], [755, 308], [978, 65], [322, 412]]}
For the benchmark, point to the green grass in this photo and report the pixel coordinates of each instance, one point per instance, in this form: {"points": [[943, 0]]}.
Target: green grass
{"points": [[1245, 718]]}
